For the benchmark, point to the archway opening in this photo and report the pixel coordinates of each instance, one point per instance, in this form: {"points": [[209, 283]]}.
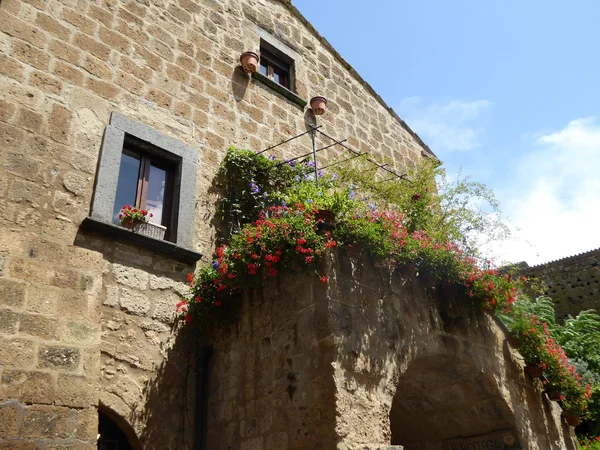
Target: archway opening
{"points": [[110, 436], [440, 398]]}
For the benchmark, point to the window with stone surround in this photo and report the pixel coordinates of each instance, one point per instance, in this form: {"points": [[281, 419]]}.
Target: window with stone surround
{"points": [[144, 168], [277, 67], [148, 181]]}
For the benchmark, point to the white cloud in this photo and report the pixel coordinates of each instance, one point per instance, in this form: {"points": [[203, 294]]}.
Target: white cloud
{"points": [[554, 196], [455, 125]]}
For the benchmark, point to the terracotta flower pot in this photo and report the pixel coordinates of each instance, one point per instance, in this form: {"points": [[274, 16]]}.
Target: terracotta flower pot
{"points": [[553, 393], [325, 221], [325, 215], [407, 270], [249, 61], [535, 370], [428, 278], [353, 250], [318, 105], [571, 418]]}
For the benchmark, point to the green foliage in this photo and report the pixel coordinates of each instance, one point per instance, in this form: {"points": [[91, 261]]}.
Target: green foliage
{"points": [[589, 443], [249, 182], [568, 353], [270, 207], [328, 195], [460, 210], [580, 337]]}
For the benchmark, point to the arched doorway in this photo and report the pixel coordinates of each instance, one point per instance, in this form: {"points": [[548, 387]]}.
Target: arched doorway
{"points": [[440, 397], [110, 436]]}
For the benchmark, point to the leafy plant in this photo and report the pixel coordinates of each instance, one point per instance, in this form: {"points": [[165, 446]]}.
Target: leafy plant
{"points": [[131, 216]]}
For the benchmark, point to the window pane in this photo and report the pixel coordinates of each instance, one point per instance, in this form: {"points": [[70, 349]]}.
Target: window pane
{"points": [[276, 77], [263, 69], [156, 193], [127, 184]]}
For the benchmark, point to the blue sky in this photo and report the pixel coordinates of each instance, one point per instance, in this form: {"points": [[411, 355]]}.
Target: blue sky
{"points": [[508, 90]]}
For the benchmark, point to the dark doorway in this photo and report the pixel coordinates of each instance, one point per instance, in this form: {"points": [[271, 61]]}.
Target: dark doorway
{"points": [[110, 435]]}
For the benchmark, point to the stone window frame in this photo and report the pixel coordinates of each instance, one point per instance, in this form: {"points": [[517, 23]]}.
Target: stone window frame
{"points": [[105, 189], [285, 53]]}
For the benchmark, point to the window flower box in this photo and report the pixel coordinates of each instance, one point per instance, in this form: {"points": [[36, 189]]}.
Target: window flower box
{"points": [[148, 229]]}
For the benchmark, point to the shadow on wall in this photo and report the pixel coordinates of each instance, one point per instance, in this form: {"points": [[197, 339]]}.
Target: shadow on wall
{"points": [[147, 358]]}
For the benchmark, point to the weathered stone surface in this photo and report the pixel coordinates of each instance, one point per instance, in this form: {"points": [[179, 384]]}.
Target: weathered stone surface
{"points": [[134, 302], [10, 419], [12, 293], [76, 391], [49, 422], [30, 387], [63, 358], [368, 361], [573, 283], [16, 352], [130, 276], [9, 321]]}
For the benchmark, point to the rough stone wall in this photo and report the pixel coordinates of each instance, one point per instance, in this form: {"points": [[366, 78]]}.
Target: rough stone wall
{"points": [[86, 321], [368, 360], [573, 282]]}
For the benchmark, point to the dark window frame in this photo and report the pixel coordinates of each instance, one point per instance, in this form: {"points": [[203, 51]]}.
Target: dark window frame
{"points": [[149, 156], [275, 66], [119, 130], [277, 62]]}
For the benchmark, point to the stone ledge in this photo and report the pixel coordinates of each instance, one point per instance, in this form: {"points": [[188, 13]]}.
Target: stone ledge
{"points": [[291, 96], [123, 234]]}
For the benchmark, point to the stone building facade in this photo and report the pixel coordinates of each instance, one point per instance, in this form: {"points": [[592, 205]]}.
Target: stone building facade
{"points": [[372, 358], [87, 308], [573, 282]]}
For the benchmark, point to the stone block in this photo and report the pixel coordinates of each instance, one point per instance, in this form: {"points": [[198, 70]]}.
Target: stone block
{"points": [[277, 441], [252, 444], [31, 55], [21, 445], [48, 422], [12, 293], [77, 446], [21, 30], [39, 326], [59, 124], [86, 424], [134, 302], [10, 419], [130, 276], [28, 387], [63, 51], [16, 352], [59, 357], [81, 333], [79, 21], [9, 321], [76, 391], [71, 303], [12, 68]]}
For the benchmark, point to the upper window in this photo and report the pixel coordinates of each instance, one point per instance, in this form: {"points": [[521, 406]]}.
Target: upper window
{"points": [[275, 68], [147, 170]]}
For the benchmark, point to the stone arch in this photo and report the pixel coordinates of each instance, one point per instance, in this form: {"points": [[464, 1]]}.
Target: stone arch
{"points": [[122, 424], [442, 396]]}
